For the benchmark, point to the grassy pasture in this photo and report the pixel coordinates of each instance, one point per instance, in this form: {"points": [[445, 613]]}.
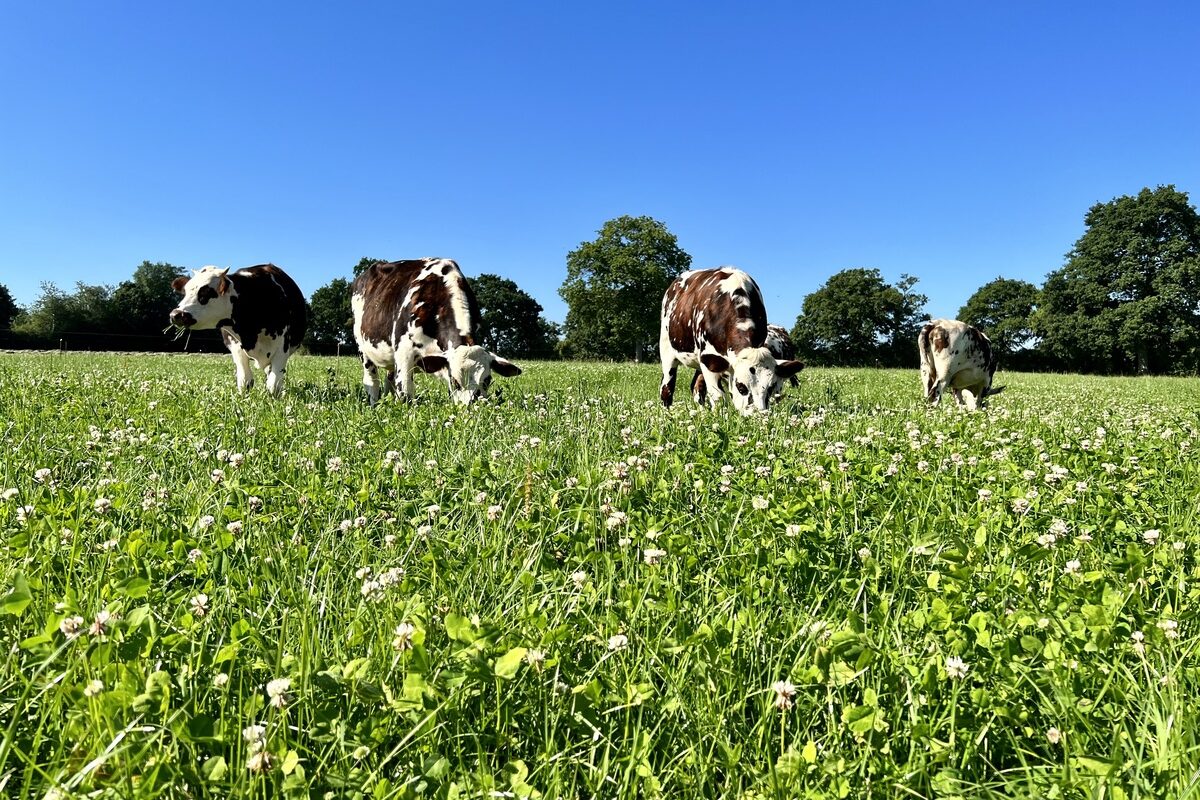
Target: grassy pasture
{"points": [[574, 593]]}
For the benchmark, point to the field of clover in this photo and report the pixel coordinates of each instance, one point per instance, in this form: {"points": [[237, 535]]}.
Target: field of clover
{"points": [[569, 591]]}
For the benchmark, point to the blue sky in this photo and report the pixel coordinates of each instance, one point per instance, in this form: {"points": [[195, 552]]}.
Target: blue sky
{"points": [[954, 141]]}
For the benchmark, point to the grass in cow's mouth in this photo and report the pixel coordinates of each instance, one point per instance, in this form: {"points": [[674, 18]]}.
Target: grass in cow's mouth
{"points": [[578, 593]]}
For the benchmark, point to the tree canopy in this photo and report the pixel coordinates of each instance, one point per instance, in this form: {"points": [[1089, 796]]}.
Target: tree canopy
{"points": [[614, 288], [1128, 297], [511, 323], [330, 318], [8, 307], [1003, 309], [858, 319]]}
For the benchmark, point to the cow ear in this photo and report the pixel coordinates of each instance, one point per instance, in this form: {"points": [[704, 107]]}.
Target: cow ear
{"points": [[432, 363], [179, 283], [504, 368], [714, 363], [786, 369], [223, 286]]}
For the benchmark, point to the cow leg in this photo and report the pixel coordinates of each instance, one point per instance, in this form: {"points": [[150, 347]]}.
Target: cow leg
{"points": [[371, 380], [958, 397], [666, 389], [406, 362], [241, 363], [276, 370], [699, 388], [712, 382]]}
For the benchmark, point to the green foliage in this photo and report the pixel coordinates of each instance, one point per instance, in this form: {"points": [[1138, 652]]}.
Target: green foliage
{"points": [[8, 307], [857, 319], [330, 318], [1128, 298], [511, 323], [614, 288], [1002, 309], [563, 595], [366, 263], [142, 303], [89, 309]]}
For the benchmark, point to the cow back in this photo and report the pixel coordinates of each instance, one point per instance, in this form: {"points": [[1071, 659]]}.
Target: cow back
{"points": [[719, 310], [429, 294], [267, 301]]}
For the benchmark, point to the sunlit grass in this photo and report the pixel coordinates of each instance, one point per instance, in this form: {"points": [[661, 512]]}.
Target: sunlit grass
{"points": [[572, 592]]}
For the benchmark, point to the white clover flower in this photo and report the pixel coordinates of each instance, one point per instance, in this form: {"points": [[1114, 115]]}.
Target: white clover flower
{"points": [[390, 540], [864, 553], [217, 475], [360, 752], [333, 464], [194, 554], [985, 494], [1169, 627], [424, 530], [1072, 566], [71, 626], [433, 510], [1054, 735], [579, 577], [1151, 536], [255, 503], [236, 459], [1047, 540], [759, 502], [93, 688], [1138, 642], [1178, 546], [199, 605], [101, 621], [618, 642], [534, 658], [234, 527], [102, 505], [652, 555], [220, 679], [403, 639], [360, 522], [493, 512], [42, 475], [277, 691], [616, 519], [1059, 527], [259, 761], [784, 691], [8, 494], [956, 668], [206, 521], [792, 530]]}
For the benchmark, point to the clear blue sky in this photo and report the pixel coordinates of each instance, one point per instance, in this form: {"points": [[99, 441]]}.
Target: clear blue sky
{"points": [[955, 141]]}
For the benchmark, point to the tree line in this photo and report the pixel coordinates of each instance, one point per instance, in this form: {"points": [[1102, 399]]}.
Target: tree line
{"points": [[1125, 301]]}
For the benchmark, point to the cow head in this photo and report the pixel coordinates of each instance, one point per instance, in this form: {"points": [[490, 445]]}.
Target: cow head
{"points": [[205, 300], [468, 371], [754, 375]]}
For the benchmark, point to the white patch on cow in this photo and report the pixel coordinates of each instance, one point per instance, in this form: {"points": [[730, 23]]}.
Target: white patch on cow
{"points": [[216, 308], [736, 280]]}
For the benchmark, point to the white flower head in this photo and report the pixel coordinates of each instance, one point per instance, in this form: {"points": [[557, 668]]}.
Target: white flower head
{"points": [[199, 605], [94, 687], [403, 639], [956, 668], [618, 641], [1054, 735], [784, 691], [277, 691]]}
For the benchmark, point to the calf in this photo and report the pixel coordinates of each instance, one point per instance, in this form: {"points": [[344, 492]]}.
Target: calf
{"points": [[779, 342], [259, 311], [956, 355], [421, 313], [714, 320]]}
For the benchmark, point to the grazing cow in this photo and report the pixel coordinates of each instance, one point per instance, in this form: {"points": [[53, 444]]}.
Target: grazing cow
{"points": [[779, 342], [421, 313], [714, 320], [957, 356], [259, 311]]}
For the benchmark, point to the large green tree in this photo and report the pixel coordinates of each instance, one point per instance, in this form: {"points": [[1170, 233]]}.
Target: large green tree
{"points": [[8, 308], [1128, 297], [88, 309], [141, 304], [858, 319], [1003, 310], [511, 323], [330, 319], [614, 288]]}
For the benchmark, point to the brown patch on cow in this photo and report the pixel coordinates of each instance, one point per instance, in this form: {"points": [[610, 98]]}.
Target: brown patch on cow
{"points": [[386, 287], [939, 338], [704, 316]]}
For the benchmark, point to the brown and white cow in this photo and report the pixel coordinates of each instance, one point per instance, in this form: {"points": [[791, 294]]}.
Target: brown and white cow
{"points": [[779, 342], [421, 313], [957, 356], [259, 311], [714, 320]]}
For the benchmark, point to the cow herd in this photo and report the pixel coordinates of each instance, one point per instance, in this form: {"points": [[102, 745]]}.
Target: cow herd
{"points": [[422, 314]]}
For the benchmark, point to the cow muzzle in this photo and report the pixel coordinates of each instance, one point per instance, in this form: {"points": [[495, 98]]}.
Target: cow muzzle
{"points": [[182, 319]]}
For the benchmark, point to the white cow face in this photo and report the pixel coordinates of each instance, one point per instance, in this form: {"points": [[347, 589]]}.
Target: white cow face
{"points": [[468, 371], [206, 299], [754, 377]]}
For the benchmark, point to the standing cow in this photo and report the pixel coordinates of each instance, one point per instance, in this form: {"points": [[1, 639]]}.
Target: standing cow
{"points": [[714, 320], [421, 313], [955, 355], [259, 311]]}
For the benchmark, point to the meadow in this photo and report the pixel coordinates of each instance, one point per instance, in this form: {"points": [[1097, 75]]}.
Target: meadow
{"points": [[572, 592]]}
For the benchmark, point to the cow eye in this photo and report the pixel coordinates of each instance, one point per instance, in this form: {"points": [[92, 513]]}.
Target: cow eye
{"points": [[742, 388]]}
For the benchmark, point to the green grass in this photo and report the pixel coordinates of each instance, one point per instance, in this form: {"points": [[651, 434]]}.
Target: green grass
{"points": [[841, 545]]}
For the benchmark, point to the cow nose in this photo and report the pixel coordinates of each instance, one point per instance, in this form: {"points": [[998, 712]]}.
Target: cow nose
{"points": [[182, 318]]}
